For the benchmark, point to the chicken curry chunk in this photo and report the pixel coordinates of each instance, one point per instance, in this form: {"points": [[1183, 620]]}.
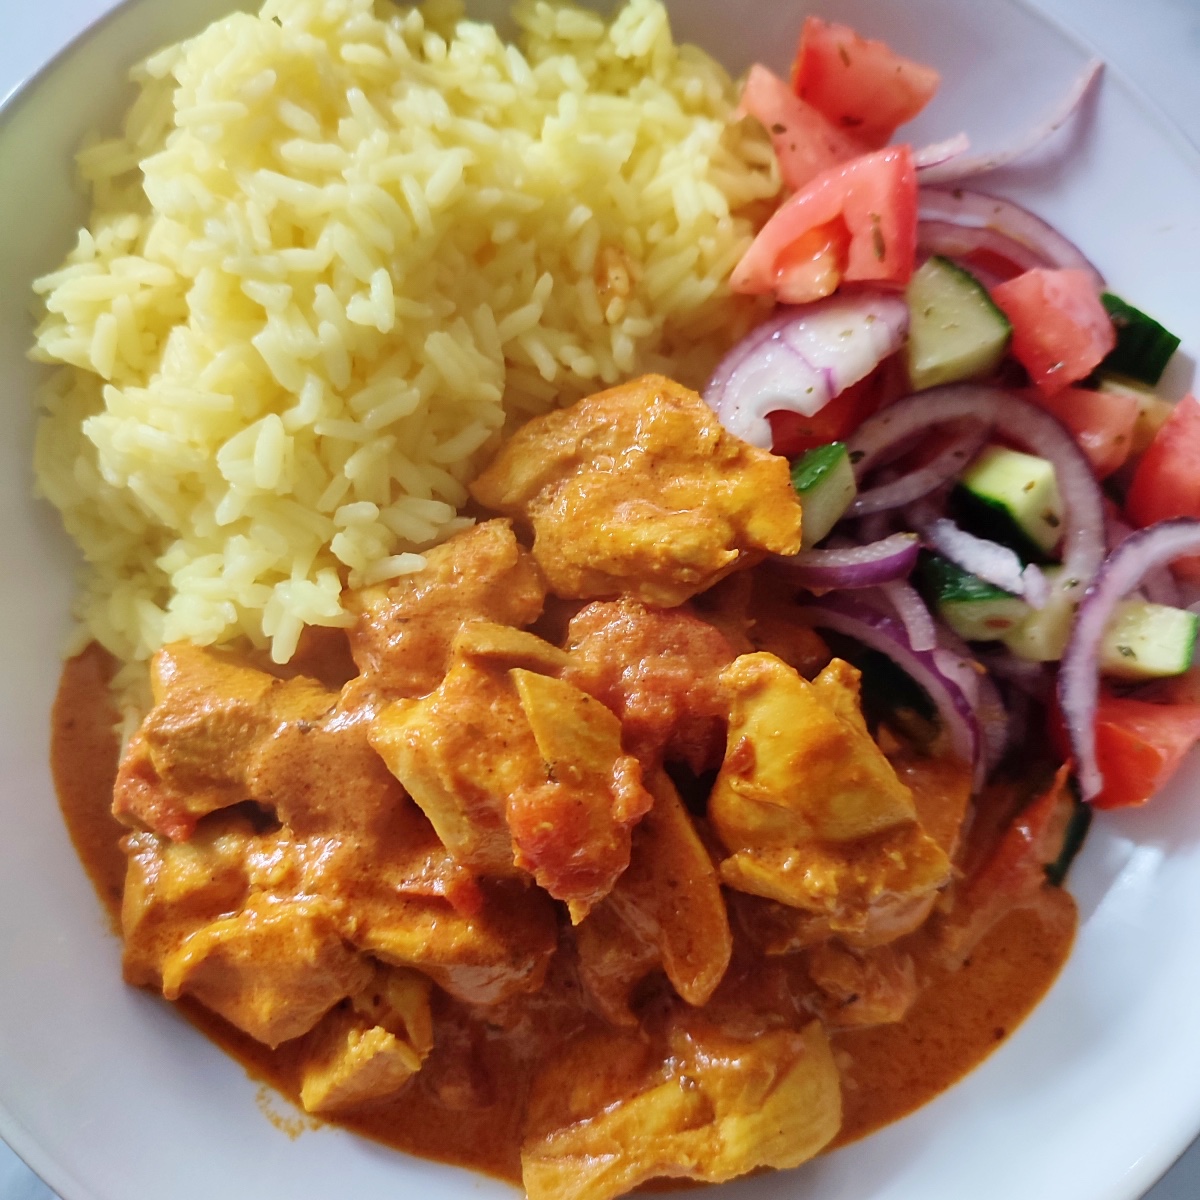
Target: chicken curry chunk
{"points": [[402, 634], [519, 772], [611, 1112], [639, 491], [810, 809], [666, 910], [369, 1048]]}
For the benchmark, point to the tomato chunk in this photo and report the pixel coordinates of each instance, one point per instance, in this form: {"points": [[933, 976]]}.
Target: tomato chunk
{"points": [[862, 86], [1101, 422], [805, 142], [1167, 480], [855, 222], [1139, 746], [1060, 329]]}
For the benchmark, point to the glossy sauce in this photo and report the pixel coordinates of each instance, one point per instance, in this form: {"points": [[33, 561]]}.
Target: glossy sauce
{"points": [[887, 1071]]}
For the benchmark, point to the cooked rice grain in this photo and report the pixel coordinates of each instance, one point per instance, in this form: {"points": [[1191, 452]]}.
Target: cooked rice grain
{"points": [[336, 249]]}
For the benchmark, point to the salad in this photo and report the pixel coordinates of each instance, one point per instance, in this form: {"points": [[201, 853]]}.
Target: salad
{"points": [[996, 497]]}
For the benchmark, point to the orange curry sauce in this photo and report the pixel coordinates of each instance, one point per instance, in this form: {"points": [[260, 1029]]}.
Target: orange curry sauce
{"points": [[887, 1070]]}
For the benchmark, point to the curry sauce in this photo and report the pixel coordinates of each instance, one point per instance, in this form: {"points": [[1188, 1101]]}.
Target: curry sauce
{"points": [[888, 1071], [573, 858]]}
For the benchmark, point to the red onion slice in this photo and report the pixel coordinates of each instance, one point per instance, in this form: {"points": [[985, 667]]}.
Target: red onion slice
{"points": [[1159, 586], [803, 357], [1079, 676], [947, 465], [938, 153], [957, 662], [1018, 421], [962, 166], [989, 561], [914, 616], [853, 566], [885, 633], [965, 244], [978, 211]]}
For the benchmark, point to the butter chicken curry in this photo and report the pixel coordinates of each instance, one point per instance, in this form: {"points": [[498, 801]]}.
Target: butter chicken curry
{"points": [[575, 858]]}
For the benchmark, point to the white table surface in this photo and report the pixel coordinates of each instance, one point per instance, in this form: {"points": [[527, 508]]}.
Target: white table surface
{"points": [[1155, 43]]}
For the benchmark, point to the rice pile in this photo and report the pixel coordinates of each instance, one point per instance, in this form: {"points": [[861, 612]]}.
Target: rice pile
{"points": [[335, 250]]}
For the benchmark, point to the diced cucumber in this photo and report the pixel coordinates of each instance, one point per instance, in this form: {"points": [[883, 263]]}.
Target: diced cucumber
{"points": [[1074, 836], [975, 609], [1042, 635], [1011, 498], [955, 331], [1142, 641], [1148, 641], [824, 481], [1143, 346], [1152, 411]]}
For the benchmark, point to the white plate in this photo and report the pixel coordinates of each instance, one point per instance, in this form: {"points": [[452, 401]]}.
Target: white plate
{"points": [[111, 1097]]}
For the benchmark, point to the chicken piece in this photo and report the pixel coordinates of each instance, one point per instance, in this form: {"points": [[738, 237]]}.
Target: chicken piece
{"points": [[272, 970], [659, 671], [402, 635], [809, 806], [173, 889], [666, 909], [369, 1049], [638, 491], [323, 776], [516, 770], [862, 987], [481, 958], [462, 751], [189, 756], [612, 1111], [941, 791]]}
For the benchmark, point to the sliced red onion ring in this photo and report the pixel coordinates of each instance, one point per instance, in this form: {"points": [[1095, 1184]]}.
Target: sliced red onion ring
{"points": [[941, 152], [1079, 676], [916, 484], [914, 616], [1159, 585], [803, 357], [991, 562], [963, 166], [1031, 678], [963, 242], [885, 633], [1025, 425], [978, 211], [853, 566], [957, 662]]}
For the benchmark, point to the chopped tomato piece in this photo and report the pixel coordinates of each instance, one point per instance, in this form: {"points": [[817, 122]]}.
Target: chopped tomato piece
{"points": [[1101, 422], [862, 86], [855, 222], [1061, 331], [805, 142], [1167, 480], [1139, 745], [793, 434]]}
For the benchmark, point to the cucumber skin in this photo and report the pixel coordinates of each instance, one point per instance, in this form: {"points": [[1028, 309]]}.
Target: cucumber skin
{"points": [[824, 482], [1144, 347], [814, 465]]}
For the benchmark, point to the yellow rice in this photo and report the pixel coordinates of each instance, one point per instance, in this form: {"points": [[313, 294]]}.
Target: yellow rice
{"points": [[337, 247]]}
